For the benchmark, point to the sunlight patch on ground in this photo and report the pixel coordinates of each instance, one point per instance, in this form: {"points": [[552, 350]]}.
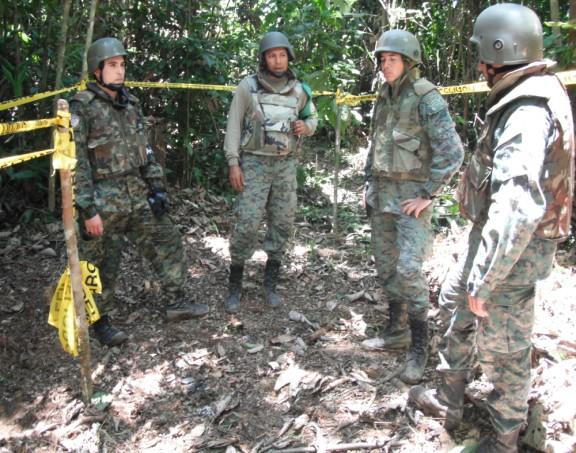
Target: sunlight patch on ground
{"points": [[220, 247]]}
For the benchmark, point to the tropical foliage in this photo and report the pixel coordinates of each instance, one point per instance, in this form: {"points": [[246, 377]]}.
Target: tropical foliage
{"points": [[215, 42]]}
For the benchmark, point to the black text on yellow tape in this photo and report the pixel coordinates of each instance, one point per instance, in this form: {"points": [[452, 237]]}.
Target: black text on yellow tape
{"points": [[62, 313], [6, 162], [24, 126]]}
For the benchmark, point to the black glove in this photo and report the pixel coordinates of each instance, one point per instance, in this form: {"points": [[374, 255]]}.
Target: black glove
{"points": [[159, 202]]}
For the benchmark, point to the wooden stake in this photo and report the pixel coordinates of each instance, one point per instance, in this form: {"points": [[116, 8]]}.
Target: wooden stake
{"points": [[335, 181], [74, 263]]}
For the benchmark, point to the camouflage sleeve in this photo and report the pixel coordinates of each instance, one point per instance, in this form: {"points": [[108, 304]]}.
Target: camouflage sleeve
{"points": [[370, 155], [517, 202], [238, 108], [447, 150], [307, 110], [312, 119], [84, 194], [152, 172]]}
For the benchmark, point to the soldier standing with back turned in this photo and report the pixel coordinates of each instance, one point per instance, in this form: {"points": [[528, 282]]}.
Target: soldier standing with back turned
{"points": [[517, 190]]}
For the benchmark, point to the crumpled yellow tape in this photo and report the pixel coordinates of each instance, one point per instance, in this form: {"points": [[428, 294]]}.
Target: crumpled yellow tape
{"points": [[62, 313], [64, 157]]}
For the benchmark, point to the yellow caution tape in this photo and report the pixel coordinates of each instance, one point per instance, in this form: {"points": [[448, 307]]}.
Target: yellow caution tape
{"points": [[13, 160], [25, 126], [567, 77], [478, 87], [62, 313], [36, 97], [189, 86]]}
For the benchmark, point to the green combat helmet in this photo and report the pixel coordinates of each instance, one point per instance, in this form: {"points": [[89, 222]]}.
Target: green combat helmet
{"points": [[275, 39], [101, 50], [508, 34], [399, 41]]}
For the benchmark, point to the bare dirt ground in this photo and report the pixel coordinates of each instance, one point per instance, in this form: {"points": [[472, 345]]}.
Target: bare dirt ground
{"points": [[293, 379]]}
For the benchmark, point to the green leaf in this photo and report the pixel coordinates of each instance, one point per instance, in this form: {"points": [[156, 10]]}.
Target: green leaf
{"points": [[101, 400]]}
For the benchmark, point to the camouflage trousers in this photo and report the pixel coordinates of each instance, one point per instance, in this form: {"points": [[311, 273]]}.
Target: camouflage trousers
{"points": [[269, 187], [400, 245], [157, 239], [500, 342]]}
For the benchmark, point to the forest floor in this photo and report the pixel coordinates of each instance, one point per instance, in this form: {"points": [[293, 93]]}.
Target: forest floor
{"points": [[294, 379]]}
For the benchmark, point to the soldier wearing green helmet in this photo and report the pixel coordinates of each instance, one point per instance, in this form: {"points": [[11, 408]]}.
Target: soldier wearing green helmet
{"points": [[270, 113], [120, 191], [517, 191], [414, 152]]}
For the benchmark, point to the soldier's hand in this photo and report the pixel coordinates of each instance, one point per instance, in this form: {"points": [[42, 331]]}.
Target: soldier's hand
{"points": [[477, 306], [159, 202], [414, 206], [299, 127], [236, 178], [94, 226]]}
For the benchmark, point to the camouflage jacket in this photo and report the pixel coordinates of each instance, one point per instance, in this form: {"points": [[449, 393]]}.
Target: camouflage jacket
{"points": [[116, 166], [519, 183], [414, 148], [260, 117]]}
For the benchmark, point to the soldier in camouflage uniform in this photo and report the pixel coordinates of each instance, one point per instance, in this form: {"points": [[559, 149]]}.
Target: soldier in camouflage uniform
{"points": [[517, 191], [414, 152], [270, 112], [119, 189]]}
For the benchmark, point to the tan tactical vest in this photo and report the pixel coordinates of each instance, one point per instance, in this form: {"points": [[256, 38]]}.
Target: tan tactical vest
{"points": [[116, 138], [557, 180], [267, 128], [401, 148]]}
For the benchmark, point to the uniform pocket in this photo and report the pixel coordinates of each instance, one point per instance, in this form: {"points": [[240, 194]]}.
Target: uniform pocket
{"points": [[473, 191], [406, 152]]}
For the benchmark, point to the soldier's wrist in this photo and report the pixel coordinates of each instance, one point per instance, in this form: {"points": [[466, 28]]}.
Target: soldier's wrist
{"points": [[88, 212], [233, 162]]}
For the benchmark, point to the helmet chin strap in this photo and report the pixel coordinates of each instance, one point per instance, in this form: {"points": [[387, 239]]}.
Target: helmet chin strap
{"points": [[110, 86], [493, 72]]}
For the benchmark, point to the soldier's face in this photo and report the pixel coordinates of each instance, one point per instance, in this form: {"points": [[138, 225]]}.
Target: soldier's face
{"points": [[113, 71], [392, 66], [276, 60]]}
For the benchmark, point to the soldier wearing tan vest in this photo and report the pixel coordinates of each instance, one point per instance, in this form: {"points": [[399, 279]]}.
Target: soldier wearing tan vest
{"points": [[270, 112], [517, 191]]}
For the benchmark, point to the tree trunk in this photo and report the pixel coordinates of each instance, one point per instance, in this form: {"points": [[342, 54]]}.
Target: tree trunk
{"points": [[572, 18], [555, 16], [89, 34], [62, 43]]}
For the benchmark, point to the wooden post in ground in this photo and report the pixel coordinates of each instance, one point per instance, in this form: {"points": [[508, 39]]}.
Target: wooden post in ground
{"points": [[335, 180], [73, 259]]}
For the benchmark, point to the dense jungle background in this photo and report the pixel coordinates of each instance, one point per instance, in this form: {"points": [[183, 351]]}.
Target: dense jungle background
{"points": [[292, 380]]}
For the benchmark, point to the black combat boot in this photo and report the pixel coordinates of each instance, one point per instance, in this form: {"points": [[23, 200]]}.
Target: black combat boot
{"points": [[497, 442], [270, 280], [418, 354], [107, 334], [446, 402], [232, 303], [180, 311], [396, 335]]}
